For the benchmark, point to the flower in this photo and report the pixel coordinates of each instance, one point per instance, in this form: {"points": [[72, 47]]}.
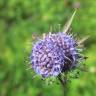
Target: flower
{"points": [[54, 54]]}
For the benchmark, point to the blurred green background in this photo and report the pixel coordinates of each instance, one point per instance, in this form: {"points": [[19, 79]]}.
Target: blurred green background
{"points": [[19, 19]]}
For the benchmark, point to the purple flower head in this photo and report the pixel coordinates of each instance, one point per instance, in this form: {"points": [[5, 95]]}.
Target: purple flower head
{"points": [[54, 54]]}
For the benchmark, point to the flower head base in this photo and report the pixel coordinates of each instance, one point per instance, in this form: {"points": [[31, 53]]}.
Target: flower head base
{"points": [[54, 54]]}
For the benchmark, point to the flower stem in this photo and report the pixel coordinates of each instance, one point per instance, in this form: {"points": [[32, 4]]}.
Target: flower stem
{"points": [[64, 84]]}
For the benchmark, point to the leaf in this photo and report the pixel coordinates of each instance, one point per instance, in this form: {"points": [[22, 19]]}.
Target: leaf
{"points": [[68, 24]]}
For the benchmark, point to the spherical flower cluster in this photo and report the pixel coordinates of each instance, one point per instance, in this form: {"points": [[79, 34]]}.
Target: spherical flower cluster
{"points": [[54, 54]]}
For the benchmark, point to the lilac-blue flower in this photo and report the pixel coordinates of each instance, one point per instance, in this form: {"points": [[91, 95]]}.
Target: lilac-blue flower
{"points": [[54, 54]]}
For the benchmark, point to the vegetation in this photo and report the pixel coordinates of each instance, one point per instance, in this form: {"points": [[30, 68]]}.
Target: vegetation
{"points": [[19, 19]]}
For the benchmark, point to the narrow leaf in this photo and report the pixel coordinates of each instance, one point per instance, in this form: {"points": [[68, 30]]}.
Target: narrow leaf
{"points": [[68, 24]]}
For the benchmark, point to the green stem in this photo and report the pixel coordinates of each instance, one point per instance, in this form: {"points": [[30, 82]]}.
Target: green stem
{"points": [[64, 84]]}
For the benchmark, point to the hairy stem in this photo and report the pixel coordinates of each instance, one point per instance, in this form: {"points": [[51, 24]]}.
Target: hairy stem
{"points": [[64, 84]]}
